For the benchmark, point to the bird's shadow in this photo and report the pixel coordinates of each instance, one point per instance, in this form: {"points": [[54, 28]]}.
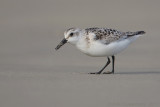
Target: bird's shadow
{"points": [[139, 72]]}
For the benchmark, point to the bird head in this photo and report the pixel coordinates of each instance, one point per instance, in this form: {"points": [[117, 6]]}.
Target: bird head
{"points": [[71, 36]]}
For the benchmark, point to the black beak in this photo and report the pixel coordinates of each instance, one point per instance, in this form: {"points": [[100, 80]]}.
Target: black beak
{"points": [[61, 44]]}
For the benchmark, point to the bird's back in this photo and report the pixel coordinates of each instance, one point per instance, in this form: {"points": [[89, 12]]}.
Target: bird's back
{"points": [[107, 35]]}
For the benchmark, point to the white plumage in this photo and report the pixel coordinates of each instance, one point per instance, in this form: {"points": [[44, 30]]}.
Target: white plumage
{"points": [[99, 42]]}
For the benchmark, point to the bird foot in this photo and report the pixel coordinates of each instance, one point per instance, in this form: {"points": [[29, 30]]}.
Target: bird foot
{"points": [[108, 72], [94, 73]]}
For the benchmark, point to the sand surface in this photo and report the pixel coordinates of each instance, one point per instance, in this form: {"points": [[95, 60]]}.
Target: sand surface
{"points": [[33, 74]]}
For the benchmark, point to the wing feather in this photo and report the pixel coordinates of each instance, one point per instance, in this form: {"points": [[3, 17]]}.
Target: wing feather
{"points": [[106, 35]]}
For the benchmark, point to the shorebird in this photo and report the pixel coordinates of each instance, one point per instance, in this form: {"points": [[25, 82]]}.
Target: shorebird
{"points": [[100, 42]]}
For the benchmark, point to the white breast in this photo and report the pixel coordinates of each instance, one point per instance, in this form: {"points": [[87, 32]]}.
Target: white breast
{"points": [[98, 49]]}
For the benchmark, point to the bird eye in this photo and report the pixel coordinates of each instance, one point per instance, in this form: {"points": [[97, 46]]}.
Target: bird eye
{"points": [[71, 34]]}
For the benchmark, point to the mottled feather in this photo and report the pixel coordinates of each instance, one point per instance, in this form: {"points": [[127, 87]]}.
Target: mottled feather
{"points": [[107, 35]]}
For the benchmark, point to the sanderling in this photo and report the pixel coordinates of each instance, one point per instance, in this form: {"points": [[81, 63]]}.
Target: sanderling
{"points": [[100, 42]]}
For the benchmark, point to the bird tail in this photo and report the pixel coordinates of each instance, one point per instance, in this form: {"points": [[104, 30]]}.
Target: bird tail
{"points": [[129, 34], [140, 32]]}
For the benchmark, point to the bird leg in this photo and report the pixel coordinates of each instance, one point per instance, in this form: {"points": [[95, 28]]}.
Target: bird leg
{"points": [[113, 59], [108, 62]]}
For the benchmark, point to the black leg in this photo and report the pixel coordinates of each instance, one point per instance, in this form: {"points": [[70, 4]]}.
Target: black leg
{"points": [[108, 62], [113, 59]]}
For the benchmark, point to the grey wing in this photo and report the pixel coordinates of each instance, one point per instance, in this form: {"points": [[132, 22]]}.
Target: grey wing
{"points": [[107, 36], [115, 35]]}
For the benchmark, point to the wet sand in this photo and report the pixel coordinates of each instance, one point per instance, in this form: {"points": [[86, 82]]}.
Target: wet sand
{"points": [[75, 88], [33, 74]]}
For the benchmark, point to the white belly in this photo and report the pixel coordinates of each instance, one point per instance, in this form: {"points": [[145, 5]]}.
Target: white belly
{"points": [[98, 49]]}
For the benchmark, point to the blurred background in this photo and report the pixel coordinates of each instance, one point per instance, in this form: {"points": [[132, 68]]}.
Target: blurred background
{"points": [[33, 74], [31, 29]]}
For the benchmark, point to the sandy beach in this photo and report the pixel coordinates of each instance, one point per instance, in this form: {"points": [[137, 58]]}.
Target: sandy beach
{"points": [[33, 74]]}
